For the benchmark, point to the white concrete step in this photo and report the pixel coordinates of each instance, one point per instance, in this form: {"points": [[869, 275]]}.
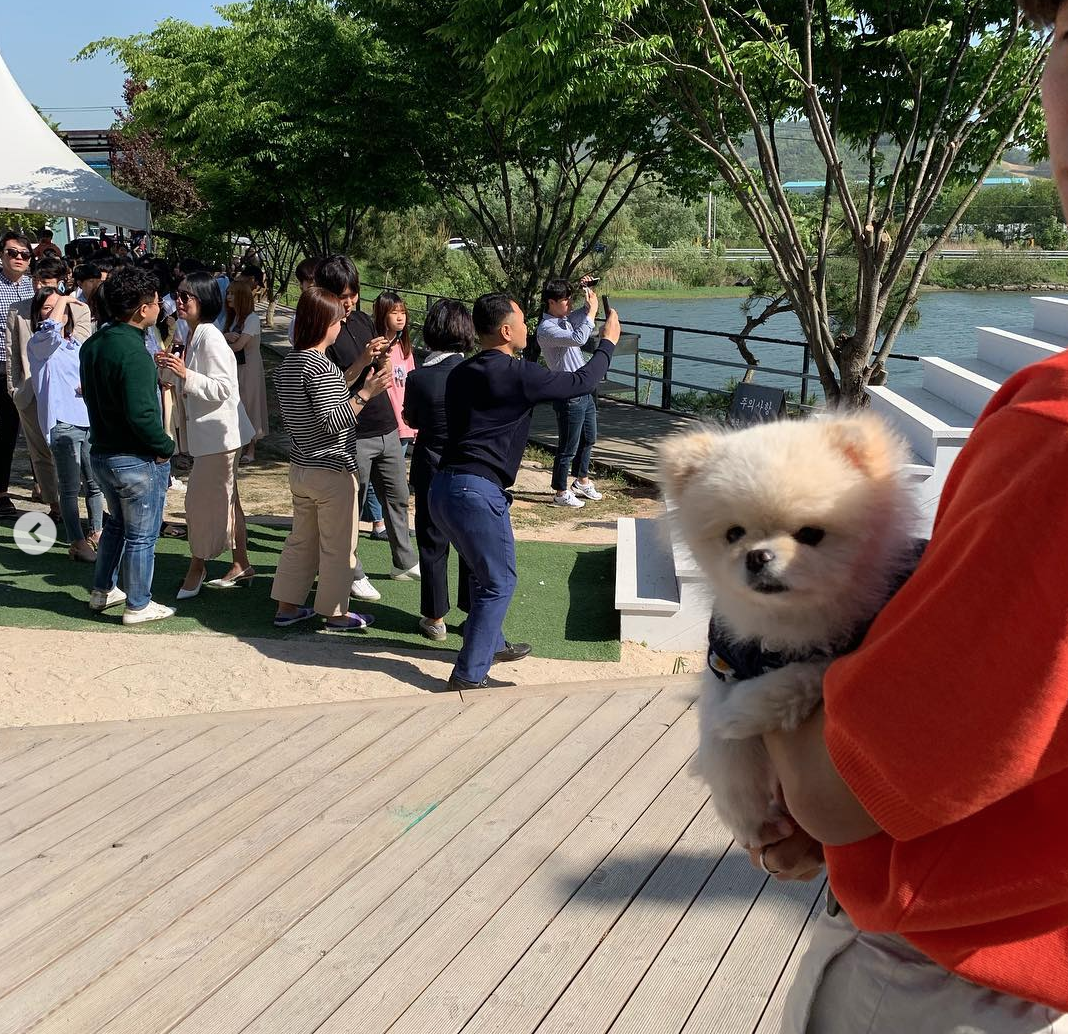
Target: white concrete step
{"points": [[1050, 315], [917, 470], [926, 421], [967, 390], [1011, 351], [662, 605], [645, 567]]}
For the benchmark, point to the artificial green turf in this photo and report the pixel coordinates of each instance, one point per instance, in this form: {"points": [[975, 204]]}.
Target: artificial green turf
{"points": [[563, 606]]}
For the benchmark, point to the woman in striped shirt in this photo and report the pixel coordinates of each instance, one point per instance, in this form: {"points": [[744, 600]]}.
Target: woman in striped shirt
{"points": [[321, 408]]}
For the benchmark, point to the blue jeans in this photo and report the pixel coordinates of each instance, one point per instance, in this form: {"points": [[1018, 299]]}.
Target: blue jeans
{"points": [[372, 508], [135, 490], [70, 450], [576, 426], [473, 512]]}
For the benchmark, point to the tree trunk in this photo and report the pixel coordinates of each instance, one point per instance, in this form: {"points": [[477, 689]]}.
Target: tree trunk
{"points": [[272, 304]]}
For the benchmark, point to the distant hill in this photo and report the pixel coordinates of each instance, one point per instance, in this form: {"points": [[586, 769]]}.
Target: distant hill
{"points": [[800, 158]]}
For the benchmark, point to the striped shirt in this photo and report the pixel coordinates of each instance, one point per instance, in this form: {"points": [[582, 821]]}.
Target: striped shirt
{"points": [[9, 294], [314, 400]]}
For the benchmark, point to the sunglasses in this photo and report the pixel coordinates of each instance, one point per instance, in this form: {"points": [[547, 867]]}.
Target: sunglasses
{"points": [[14, 254], [184, 296]]}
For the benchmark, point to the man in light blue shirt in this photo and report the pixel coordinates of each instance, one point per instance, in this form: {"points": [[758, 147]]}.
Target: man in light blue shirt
{"points": [[563, 336]]}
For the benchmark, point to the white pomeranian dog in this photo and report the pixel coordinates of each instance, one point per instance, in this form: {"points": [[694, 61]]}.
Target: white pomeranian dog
{"points": [[804, 529]]}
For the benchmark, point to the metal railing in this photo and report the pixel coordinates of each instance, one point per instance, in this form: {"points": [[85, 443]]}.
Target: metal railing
{"points": [[667, 354]]}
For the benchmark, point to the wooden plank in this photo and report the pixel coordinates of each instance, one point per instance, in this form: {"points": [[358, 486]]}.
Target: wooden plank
{"points": [[526, 994], [23, 761], [103, 929], [678, 976], [250, 764], [470, 967], [163, 783], [94, 807], [169, 986], [488, 804], [741, 986], [59, 774], [618, 957], [642, 683], [771, 1020]]}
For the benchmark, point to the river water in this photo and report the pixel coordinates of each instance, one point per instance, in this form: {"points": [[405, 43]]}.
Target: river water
{"points": [[946, 328]]}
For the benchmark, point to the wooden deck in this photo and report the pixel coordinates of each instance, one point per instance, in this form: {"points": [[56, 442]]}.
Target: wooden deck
{"points": [[530, 860]]}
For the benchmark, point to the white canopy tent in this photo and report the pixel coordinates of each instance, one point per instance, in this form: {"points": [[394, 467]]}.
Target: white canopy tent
{"points": [[40, 173]]}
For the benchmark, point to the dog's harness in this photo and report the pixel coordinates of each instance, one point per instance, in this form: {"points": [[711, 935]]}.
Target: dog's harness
{"points": [[735, 660]]}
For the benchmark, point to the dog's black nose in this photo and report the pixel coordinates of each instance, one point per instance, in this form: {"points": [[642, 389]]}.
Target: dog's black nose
{"points": [[757, 559]]}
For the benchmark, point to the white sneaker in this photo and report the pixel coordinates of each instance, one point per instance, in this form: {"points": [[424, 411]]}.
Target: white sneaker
{"points": [[587, 491], [100, 600], [362, 589], [398, 574], [568, 499], [153, 612]]}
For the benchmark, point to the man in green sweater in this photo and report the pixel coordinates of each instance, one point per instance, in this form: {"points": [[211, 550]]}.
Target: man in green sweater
{"points": [[129, 449]]}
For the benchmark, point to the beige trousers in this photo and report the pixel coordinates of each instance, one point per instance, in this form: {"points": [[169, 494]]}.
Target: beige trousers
{"points": [[323, 540], [851, 982], [44, 467], [210, 504]]}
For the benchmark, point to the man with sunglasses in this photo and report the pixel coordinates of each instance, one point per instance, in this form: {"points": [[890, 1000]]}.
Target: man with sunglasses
{"points": [[15, 286]]}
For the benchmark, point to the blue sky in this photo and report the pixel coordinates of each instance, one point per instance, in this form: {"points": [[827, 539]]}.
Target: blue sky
{"points": [[38, 43]]}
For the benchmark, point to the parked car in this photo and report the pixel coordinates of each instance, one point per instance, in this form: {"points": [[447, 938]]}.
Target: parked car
{"points": [[456, 244]]}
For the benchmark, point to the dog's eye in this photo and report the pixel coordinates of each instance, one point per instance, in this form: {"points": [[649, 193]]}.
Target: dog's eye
{"points": [[735, 533], [809, 536]]}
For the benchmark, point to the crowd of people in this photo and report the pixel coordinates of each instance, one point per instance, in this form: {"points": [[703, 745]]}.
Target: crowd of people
{"points": [[118, 364]]}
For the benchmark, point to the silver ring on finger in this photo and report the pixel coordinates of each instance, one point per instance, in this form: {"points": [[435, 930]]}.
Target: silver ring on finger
{"points": [[764, 862]]}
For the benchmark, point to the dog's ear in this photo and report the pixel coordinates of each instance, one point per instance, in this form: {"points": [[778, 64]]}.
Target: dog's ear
{"points": [[866, 443], [681, 457]]}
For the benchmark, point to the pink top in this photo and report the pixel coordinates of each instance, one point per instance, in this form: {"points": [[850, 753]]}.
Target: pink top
{"points": [[401, 368]]}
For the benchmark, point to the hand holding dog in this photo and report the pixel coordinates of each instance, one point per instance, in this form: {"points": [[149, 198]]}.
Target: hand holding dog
{"points": [[796, 857]]}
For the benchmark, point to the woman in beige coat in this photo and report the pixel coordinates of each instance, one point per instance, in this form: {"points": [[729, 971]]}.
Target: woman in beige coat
{"points": [[216, 430]]}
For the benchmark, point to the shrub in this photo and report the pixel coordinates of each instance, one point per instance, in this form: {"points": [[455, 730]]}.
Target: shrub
{"points": [[694, 266]]}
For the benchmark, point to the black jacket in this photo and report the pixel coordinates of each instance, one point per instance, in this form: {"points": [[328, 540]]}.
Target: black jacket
{"points": [[376, 418], [424, 410], [489, 401]]}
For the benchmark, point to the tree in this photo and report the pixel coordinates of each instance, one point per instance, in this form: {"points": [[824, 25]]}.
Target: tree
{"points": [[280, 97], [928, 94], [145, 167], [531, 186]]}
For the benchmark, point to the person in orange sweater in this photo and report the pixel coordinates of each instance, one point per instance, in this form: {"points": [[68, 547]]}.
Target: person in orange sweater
{"points": [[936, 775]]}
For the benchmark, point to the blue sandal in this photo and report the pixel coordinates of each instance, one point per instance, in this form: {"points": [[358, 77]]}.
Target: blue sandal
{"points": [[285, 621], [353, 623]]}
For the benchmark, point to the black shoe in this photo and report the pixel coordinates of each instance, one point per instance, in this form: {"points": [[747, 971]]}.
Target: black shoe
{"points": [[458, 684], [7, 507], [511, 652], [378, 536]]}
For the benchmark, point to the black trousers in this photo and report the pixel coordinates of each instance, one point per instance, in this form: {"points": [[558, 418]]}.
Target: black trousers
{"points": [[433, 546], [9, 431]]}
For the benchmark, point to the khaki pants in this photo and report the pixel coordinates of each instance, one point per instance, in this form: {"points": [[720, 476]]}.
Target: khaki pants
{"points": [[323, 540], [211, 504], [851, 982], [44, 467]]}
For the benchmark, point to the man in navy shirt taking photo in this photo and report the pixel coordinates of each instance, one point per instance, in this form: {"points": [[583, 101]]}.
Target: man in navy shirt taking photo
{"points": [[489, 402]]}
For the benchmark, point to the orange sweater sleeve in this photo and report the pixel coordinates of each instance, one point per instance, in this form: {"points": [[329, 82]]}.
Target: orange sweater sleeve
{"points": [[958, 696]]}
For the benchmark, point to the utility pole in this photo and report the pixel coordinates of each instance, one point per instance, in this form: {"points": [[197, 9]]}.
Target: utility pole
{"points": [[708, 231]]}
